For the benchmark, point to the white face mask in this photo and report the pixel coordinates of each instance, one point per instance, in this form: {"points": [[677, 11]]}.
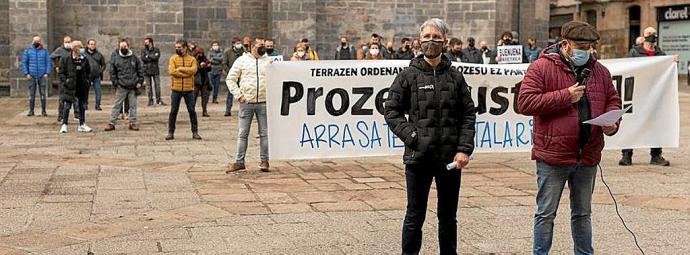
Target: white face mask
{"points": [[68, 45], [374, 52], [300, 54], [238, 46], [216, 47]]}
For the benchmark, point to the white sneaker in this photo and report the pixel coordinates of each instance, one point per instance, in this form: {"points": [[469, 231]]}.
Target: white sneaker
{"points": [[63, 129], [84, 129]]}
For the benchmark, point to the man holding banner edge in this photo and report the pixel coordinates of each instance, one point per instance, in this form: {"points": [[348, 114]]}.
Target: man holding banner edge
{"points": [[439, 130]]}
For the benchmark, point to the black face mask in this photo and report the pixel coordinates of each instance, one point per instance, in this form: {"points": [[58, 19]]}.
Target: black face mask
{"points": [[343, 44], [485, 48], [246, 46], [179, 52], [651, 39], [432, 49], [261, 50], [36, 44], [407, 47], [269, 51], [471, 45], [124, 51]]}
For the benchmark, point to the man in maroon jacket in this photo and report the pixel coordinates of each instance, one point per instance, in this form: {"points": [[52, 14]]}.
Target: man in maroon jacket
{"points": [[566, 150]]}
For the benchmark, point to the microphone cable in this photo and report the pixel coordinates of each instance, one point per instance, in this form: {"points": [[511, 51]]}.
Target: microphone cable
{"points": [[615, 203]]}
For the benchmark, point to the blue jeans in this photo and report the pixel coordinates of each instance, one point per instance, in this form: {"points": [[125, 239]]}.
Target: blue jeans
{"points": [[247, 112], [551, 181], [39, 82], [228, 102], [189, 101], [214, 79], [96, 83], [419, 178]]}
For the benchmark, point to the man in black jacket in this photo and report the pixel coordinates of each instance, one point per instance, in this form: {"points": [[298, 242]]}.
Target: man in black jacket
{"points": [[127, 75], [63, 51], [471, 54], [149, 56], [438, 131], [345, 51], [97, 64], [647, 49], [405, 51], [455, 52], [73, 76]]}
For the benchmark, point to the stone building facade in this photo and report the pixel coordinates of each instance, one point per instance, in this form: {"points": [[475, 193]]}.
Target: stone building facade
{"points": [[620, 22], [287, 21]]}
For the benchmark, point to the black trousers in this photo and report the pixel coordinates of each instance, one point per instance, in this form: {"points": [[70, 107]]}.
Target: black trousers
{"points": [[419, 178], [175, 100], [654, 152]]}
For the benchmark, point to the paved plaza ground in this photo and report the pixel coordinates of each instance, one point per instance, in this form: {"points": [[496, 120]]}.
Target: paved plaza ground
{"points": [[126, 192]]}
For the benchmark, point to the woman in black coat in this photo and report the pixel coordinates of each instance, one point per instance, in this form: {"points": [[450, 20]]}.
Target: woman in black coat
{"points": [[201, 82], [73, 76]]}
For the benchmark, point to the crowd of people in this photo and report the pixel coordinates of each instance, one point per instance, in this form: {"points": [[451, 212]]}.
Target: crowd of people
{"points": [[549, 93]]}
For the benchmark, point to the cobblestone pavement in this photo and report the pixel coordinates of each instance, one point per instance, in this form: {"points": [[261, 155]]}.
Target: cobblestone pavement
{"points": [[126, 192]]}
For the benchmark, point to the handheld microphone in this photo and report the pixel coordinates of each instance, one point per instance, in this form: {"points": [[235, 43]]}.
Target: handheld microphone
{"points": [[582, 78]]}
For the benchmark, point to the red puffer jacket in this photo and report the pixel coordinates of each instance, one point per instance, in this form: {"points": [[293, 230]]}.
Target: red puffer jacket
{"points": [[544, 95]]}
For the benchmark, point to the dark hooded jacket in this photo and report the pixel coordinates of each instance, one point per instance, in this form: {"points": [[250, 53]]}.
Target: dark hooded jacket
{"points": [[544, 94], [440, 109], [638, 51], [126, 71], [97, 64], [73, 76]]}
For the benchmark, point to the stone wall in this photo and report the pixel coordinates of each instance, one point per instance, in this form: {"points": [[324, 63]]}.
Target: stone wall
{"points": [[20, 33], [288, 21], [208, 20], [4, 47]]}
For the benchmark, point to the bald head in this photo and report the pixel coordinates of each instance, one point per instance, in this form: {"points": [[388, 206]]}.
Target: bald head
{"points": [[649, 31]]}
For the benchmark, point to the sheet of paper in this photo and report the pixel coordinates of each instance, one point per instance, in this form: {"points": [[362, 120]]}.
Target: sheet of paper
{"points": [[609, 118]]}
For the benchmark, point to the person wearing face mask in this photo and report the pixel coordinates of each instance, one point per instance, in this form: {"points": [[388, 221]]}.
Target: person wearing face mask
{"points": [[565, 149], [455, 53], [63, 51], [270, 48], [182, 68], [73, 75], [150, 56], [507, 38], [405, 51], [345, 51], [36, 67], [97, 64], [229, 57], [311, 52], [648, 48], [247, 81], [215, 57], [127, 76], [388, 51], [202, 85], [472, 54], [246, 40], [300, 53], [435, 134], [374, 52]]}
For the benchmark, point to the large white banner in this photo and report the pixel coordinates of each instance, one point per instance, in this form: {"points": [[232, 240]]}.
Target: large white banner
{"points": [[334, 109]]}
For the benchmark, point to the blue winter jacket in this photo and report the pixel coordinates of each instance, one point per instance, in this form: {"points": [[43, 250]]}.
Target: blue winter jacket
{"points": [[36, 62]]}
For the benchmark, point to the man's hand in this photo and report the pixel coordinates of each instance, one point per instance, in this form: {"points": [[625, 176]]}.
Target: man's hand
{"points": [[138, 85], [576, 92], [676, 58], [461, 160], [610, 130], [45, 76], [242, 100], [28, 77]]}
